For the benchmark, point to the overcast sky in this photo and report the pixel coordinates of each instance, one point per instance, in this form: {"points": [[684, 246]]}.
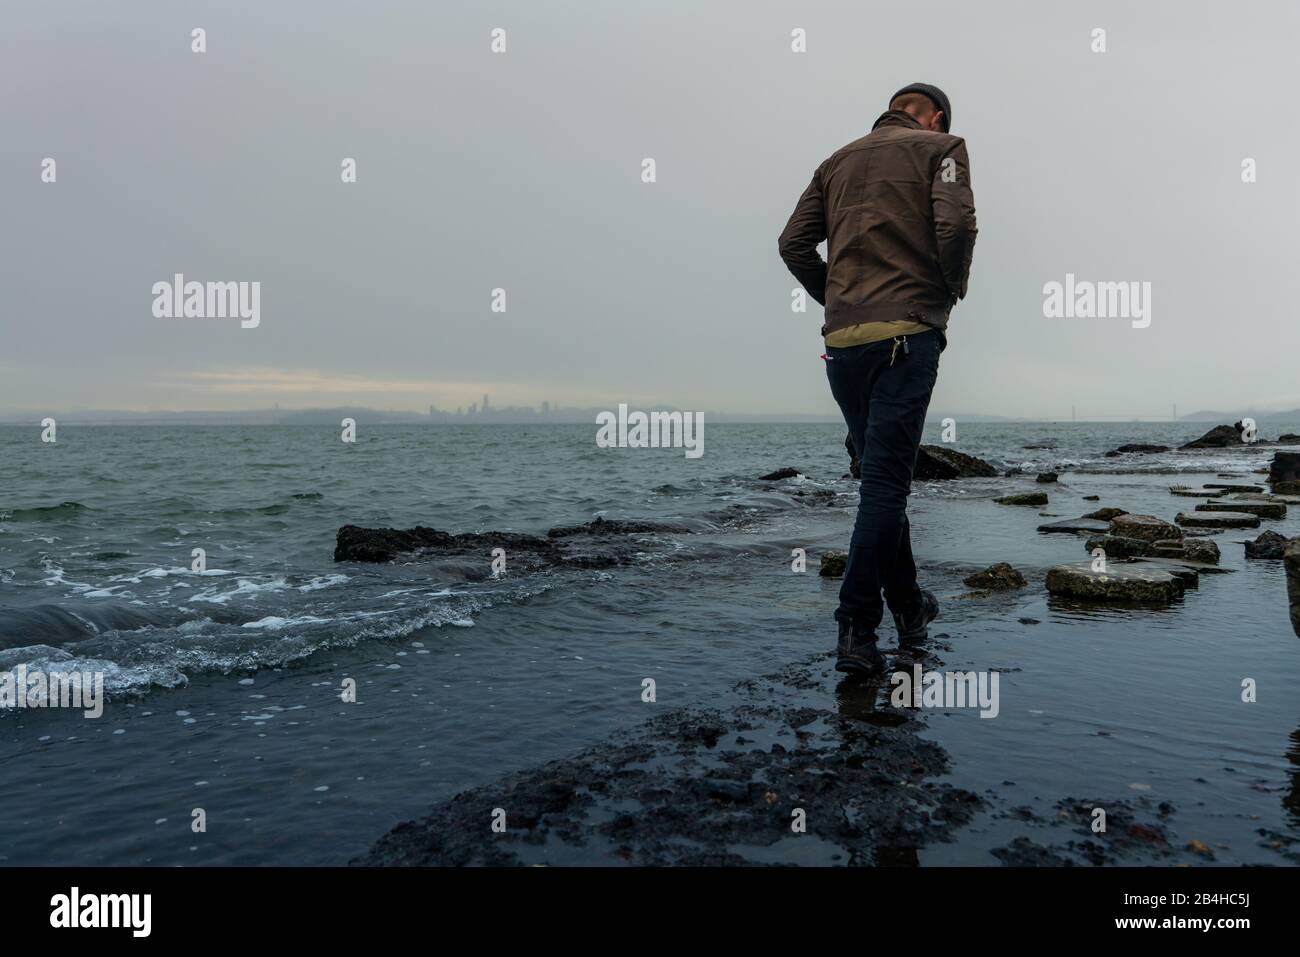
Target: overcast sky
{"points": [[522, 171]]}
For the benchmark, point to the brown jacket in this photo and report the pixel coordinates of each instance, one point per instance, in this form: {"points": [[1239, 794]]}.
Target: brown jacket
{"points": [[900, 225]]}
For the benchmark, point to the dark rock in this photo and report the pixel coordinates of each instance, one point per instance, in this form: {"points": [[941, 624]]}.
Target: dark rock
{"points": [[1116, 546], [1137, 448], [1269, 545], [1285, 467], [1219, 437], [1220, 487], [780, 474], [1202, 550], [934, 462], [1146, 527], [1107, 513], [1288, 438], [1072, 526], [1012, 472], [1046, 477], [603, 526], [1287, 487], [1023, 498], [1092, 498], [1044, 444], [999, 577], [833, 564]]}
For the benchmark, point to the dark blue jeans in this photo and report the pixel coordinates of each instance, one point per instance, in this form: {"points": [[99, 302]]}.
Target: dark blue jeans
{"points": [[884, 407]]}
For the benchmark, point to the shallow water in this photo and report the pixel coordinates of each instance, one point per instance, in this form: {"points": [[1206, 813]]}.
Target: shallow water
{"points": [[462, 676]]}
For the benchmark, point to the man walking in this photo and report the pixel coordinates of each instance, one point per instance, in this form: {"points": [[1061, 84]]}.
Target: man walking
{"points": [[896, 210]]}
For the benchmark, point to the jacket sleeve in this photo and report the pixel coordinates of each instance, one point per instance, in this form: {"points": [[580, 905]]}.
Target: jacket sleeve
{"points": [[799, 239], [953, 205]]}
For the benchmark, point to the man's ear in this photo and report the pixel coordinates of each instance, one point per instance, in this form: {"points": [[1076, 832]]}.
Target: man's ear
{"points": [[936, 121]]}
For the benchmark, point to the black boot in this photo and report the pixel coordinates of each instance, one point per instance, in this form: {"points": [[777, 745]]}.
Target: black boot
{"points": [[857, 651], [913, 625]]}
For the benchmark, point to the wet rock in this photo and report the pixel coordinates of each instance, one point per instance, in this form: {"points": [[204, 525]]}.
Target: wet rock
{"points": [[1262, 509], [1198, 550], [356, 544], [1092, 498], [784, 473], [1013, 472], [1137, 448], [604, 527], [998, 577], [1285, 467], [1288, 438], [1074, 526], [1217, 520], [1121, 582], [833, 564], [1046, 477], [1269, 545], [1286, 488], [1107, 513], [1116, 546], [1187, 492], [1023, 498], [1233, 488], [1291, 560], [1219, 437], [1181, 565], [1146, 527], [934, 462], [1044, 444], [667, 793]]}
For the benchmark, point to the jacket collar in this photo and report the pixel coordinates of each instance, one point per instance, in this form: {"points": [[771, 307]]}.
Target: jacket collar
{"points": [[896, 118]]}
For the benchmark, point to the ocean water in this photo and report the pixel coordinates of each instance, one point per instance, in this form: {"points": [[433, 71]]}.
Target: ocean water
{"points": [[225, 684]]}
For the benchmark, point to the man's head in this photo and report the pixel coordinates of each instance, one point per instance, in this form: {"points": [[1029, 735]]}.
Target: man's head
{"points": [[927, 104]]}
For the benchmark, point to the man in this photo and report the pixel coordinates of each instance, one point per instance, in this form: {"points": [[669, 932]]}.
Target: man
{"points": [[896, 210]]}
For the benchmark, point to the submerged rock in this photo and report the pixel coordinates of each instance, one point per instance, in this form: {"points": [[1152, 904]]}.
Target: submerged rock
{"points": [[1146, 527], [1217, 520], [1288, 438], [1286, 488], [1219, 437], [1092, 498], [784, 473], [998, 577], [1269, 545], [1023, 498], [934, 462], [604, 526], [1107, 513], [1137, 448], [1074, 526], [1046, 477], [1121, 582], [1291, 559], [833, 564]]}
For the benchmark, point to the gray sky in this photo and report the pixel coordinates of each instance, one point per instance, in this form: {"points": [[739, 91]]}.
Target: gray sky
{"points": [[522, 170]]}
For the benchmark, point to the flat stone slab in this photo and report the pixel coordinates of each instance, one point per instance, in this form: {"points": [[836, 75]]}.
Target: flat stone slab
{"points": [[1218, 520], [1091, 526], [1235, 488], [1121, 582], [1265, 497], [1023, 498], [1187, 491], [1262, 509], [1170, 564]]}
